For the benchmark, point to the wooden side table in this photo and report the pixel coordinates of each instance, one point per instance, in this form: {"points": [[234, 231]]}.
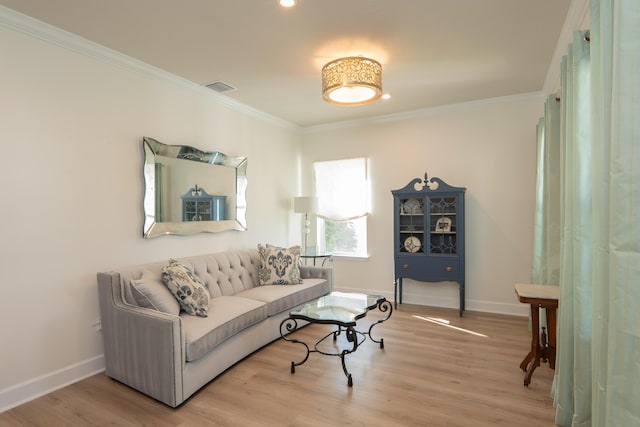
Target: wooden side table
{"points": [[546, 297]]}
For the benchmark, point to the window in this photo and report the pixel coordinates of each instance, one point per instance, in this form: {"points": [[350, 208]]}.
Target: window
{"points": [[342, 190]]}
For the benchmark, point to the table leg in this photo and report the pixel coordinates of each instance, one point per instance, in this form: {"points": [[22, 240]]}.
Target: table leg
{"points": [[352, 337], [551, 327], [383, 306], [534, 355], [290, 325]]}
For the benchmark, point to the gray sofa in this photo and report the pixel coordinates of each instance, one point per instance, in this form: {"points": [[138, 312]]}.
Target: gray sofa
{"points": [[168, 356]]}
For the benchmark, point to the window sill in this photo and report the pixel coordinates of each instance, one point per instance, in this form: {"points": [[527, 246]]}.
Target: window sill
{"points": [[342, 257]]}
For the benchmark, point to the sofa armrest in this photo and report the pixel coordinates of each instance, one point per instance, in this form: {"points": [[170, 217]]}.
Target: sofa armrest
{"points": [[143, 348], [309, 272]]}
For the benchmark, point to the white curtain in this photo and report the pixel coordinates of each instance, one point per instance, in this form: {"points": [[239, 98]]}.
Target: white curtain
{"points": [[342, 189], [597, 377]]}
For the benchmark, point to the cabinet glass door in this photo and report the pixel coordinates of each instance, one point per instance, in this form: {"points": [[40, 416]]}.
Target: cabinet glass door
{"points": [[196, 210], [443, 225], [411, 225], [204, 210], [189, 211]]}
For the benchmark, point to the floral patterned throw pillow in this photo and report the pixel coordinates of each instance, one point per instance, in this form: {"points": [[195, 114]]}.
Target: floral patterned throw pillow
{"points": [[279, 266], [187, 288]]}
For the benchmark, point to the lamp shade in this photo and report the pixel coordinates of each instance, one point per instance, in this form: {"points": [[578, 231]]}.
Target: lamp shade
{"points": [[354, 80], [305, 204]]}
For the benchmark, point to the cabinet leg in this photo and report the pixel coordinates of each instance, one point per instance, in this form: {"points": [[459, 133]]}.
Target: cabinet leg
{"points": [[395, 293]]}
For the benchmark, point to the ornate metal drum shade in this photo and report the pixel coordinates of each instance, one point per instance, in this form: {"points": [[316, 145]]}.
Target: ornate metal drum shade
{"points": [[353, 80]]}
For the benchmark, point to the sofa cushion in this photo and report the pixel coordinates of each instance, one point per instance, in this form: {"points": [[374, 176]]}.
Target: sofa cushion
{"points": [[228, 315], [280, 298], [150, 292], [189, 289], [279, 266]]}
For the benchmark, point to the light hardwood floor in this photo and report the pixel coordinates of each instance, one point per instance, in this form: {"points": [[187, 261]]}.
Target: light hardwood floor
{"points": [[427, 375]]}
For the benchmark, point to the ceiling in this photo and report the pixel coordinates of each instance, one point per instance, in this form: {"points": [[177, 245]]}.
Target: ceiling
{"points": [[433, 52]]}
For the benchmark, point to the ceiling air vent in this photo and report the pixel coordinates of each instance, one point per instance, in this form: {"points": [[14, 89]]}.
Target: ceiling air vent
{"points": [[220, 87]]}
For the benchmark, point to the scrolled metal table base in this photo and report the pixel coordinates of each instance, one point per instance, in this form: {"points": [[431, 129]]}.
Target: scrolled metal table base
{"points": [[353, 336], [383, 306]]}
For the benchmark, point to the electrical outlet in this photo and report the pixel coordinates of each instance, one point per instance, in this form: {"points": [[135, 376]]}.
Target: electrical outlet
{"points": [[98, 325]]}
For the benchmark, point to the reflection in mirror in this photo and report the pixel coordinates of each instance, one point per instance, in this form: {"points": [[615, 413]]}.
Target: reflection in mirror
{"points": [[191, 191]]}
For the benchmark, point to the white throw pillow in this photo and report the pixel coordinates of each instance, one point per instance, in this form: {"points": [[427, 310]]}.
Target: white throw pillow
{"points": [[150, 292]]}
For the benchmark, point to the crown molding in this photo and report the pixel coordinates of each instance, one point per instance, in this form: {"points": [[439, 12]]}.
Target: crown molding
{"points": [[425, 112], [48, 33]]}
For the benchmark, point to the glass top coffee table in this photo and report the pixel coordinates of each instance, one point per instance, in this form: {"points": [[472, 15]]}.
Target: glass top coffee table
{"points": [[343, 310]]}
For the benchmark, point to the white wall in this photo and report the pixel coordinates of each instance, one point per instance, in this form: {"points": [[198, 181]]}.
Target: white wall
{"points": [[71, 129], [489, 147]]}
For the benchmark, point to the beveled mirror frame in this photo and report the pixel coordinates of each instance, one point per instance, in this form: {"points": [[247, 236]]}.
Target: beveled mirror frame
{"points": [[154, 151]]}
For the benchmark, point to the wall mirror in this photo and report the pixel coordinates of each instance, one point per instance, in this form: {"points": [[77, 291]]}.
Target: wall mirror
{"points": [[190, 191]]}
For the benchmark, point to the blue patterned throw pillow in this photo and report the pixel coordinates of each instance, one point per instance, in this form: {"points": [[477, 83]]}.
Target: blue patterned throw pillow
{"points": [[188, 289], [279, 266]]}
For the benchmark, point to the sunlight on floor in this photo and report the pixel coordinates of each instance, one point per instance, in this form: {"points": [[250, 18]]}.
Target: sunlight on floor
{"points": [[444, 322]]}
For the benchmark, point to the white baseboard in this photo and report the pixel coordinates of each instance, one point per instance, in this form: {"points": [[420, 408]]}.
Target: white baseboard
{"points": [[24, 392], [515, 309]]}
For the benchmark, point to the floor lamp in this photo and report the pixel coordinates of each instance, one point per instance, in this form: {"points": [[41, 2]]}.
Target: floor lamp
{"points": [[305, 205]]}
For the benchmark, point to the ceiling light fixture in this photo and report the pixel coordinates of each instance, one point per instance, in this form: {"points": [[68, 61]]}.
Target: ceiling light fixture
{"points": [[353, 80], [287, 3]]}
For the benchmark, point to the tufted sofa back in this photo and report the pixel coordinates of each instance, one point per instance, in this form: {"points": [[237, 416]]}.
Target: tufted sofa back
{"points": [[224, 273]]}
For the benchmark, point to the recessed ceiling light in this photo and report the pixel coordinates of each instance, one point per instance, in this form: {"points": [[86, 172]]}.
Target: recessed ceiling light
{"points": [[386, 96], [287, 3]]}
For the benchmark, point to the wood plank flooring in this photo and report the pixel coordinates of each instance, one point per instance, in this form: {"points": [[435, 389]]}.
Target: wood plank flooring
{"points": [[428, 374]]}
